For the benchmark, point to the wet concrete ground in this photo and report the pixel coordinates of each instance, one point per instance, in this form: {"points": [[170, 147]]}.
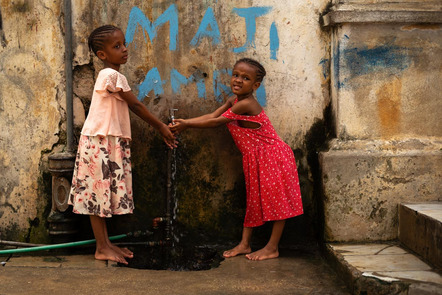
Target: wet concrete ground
{"points": [[294, 272]]}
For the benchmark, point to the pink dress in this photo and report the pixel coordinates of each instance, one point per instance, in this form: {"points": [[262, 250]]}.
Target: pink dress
{"points": [[272, 184], [102, 178]]}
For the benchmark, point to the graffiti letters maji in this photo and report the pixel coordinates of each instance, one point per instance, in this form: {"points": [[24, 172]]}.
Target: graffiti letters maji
{"points": [[208, 29]]}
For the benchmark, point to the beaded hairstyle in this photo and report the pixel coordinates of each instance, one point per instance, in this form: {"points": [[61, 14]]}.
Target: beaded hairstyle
{"points": [[260, 73], [98, 37]]}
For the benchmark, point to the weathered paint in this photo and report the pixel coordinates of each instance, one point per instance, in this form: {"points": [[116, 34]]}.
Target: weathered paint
{"points": [[136, 17], [389, 107], [208, 29], [366, 58], [364, 61]]}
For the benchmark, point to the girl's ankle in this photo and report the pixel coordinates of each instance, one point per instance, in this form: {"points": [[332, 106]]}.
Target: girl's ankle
{"points": [[244, 245]]}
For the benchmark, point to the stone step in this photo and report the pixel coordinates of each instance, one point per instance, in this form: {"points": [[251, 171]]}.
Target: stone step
{"points": [[420, 230], [386, 268]]}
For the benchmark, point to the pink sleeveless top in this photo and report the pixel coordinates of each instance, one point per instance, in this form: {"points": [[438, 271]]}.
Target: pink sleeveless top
{"points": [[108, 113]]}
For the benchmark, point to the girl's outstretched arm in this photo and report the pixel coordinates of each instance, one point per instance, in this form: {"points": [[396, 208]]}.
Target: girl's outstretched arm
{"points": [[213, 119], [181, 124], [141, 111]]}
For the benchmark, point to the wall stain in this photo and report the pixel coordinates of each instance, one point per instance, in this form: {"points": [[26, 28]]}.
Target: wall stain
{"points": [[362, 61], [359, 61], [2, 34], [389, 107], [316, 140], [422, 27], [22, 6]]}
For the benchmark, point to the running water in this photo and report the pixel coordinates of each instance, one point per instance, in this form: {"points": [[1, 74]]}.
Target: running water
{"points": [[168, 251], [172, 191]]}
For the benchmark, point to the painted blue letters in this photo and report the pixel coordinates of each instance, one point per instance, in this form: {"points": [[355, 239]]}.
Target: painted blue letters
{"points": [[208, 20], [261, 95], [274, 41], [250, 14], [208, 28], [151, 82], [218, 87], [176, 80], [136, 16]]}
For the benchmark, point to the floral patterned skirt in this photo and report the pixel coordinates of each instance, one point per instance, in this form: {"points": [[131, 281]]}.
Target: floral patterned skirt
{"points": [[102, 180]]}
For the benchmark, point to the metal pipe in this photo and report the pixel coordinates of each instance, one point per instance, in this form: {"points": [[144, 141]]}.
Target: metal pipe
{"points": [[156, 221], [69, 79], [19, 244], [147, 244]]}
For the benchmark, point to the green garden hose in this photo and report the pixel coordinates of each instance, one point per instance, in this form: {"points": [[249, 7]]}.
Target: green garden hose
{"points": [[57, 246]]}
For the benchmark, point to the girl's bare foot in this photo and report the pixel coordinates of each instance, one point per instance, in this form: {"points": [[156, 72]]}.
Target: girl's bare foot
{"points": [[109, 254], [123, 251], [263, 254], [238, 250]]}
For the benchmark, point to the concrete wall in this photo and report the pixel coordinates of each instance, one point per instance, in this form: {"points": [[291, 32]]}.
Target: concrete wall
{"points": [[386, 97], [31, 111], [180, 56]]}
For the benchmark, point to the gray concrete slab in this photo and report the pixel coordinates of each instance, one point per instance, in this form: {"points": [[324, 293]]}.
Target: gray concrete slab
{"points": [[295, 272], [432, 209], [407, 262], [383, 269], [421, 276]]}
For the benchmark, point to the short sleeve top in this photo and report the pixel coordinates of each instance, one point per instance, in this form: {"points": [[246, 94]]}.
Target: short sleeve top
{"points": [[108, 113]]}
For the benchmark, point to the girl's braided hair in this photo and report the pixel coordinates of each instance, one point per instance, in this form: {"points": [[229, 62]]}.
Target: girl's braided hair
{"points": [[260, 73], [98, 37]]}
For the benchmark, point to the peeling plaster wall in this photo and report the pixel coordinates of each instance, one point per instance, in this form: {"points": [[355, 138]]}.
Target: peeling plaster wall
{"points": [[31, 65], [285, 36], [389, 81]]}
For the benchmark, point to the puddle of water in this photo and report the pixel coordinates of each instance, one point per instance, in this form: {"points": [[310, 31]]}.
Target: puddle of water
{"points": [[175, 258]]}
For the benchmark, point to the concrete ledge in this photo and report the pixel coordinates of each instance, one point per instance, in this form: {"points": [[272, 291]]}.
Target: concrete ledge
{"points": [[420, 229], [365, 181], [383, 13], [374, 269]]}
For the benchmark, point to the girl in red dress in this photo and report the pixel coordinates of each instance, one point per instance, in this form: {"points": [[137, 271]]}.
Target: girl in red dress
{"points": [[273, 192]]}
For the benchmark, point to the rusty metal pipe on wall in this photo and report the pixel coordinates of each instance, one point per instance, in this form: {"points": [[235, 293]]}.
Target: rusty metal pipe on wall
{"points": [[69, 76]]}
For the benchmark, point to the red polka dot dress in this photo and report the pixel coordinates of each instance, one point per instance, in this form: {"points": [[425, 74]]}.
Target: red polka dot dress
{"points": [[272, 183]]}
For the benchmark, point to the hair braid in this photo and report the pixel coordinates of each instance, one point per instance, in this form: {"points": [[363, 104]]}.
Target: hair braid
{"points": [[260, 73], [98, 37]]}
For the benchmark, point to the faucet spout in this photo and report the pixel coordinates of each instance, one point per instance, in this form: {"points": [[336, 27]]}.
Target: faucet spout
{"points": [[172, 114]]}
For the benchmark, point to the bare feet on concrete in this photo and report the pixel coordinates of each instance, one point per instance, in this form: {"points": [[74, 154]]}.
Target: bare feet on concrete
{"points": [[263, 254], [238, 250], [108, 253]]}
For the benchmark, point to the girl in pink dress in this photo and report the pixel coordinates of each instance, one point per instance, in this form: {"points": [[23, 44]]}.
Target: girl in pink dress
{"points": [[102, 180], [273, 192]]}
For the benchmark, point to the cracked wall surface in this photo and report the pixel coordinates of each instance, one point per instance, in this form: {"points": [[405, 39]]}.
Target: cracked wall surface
{"points": [[31, 65]]}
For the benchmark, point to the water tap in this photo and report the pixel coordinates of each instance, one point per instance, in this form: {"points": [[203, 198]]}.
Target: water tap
{"points": [[172, 114]]}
